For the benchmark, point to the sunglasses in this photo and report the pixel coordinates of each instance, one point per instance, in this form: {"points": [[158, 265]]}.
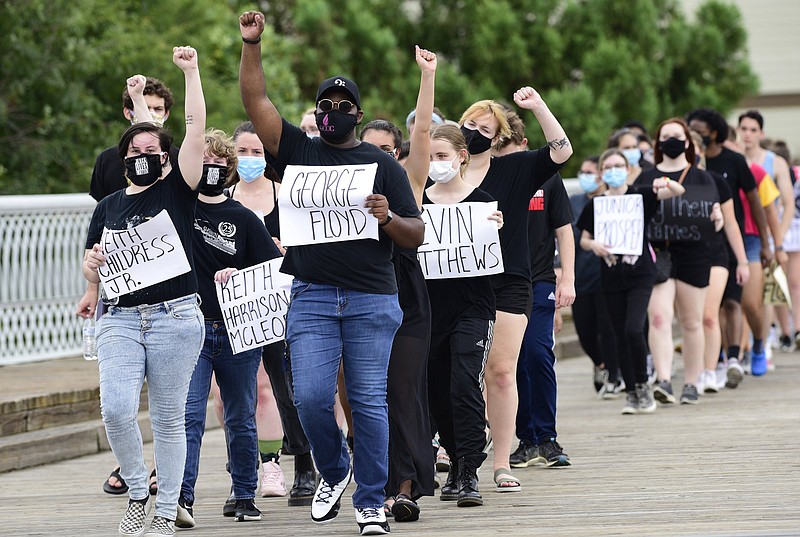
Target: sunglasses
{"points": [[326, 105]]}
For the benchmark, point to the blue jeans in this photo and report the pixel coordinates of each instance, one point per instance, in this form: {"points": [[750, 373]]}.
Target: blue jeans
{"points": [[327, 324], [536, 374], [159, 342], [236, 378]]}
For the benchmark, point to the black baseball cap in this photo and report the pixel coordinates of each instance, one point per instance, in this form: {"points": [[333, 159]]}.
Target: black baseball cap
{"points": [[340, 83]]}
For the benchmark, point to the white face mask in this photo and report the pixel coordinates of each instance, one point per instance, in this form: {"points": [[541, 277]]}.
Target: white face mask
{"points": [[442, 171]]}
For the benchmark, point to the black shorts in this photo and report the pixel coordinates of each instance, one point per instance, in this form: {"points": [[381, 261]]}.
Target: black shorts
{"points": [[719, 253], [691, 263], [733, 291], [514, 294]]}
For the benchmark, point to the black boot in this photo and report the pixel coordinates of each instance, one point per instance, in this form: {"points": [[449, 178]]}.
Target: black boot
{"points": [[305, 481], [449, 490], [468, 494]]}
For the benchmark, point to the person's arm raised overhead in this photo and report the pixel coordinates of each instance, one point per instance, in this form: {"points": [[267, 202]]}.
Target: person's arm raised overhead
{"points": [[560, 147], [141, 111], [419, 156], [190, 157], [253, 85]]}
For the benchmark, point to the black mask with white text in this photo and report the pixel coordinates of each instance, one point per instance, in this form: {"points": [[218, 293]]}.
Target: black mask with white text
{"points": [[144, 169], [477, 143], [335, 126], [212, 182]]}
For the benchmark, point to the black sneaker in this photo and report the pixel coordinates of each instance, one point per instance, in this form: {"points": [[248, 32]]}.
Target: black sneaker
{"points": [[600, 378], [160, 527], [662, 391], [449, 490], [328, 499], [246, 511], [229, 509], [185, 518], [689, 395], [132, 524], [371, 521], [552, 455], [525, 455]]}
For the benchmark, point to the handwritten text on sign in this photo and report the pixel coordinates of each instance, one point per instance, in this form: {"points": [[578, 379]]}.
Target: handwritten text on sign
{"points": [[619, 223], [141, 256], [321, 204], [686, 217], [460, 241], [254, 302]]}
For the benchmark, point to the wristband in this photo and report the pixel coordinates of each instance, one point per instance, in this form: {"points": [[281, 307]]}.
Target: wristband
{"points": [[252, 41], [779, 248]]}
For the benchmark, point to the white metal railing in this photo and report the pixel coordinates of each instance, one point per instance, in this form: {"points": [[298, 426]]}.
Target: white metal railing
{"points": [[41, 247]]}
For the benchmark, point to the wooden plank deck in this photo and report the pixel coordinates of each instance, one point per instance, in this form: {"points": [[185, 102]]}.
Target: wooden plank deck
{"points": [[728, 466]]}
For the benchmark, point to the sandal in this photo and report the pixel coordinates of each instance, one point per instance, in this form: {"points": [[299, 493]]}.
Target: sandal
{"points": [[405, 509], [152, 483], [120, 488], [387, 506], [506, 484]]}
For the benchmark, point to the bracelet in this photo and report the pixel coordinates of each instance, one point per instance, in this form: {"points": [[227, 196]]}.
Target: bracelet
{"points": [[779, 248], [252, 41]]}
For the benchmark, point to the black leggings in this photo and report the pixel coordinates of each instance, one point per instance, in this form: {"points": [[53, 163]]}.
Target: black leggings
{"points": [[595, 332], [628, 311]]}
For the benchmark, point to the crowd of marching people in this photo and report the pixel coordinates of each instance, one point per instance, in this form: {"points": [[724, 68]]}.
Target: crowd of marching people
{"points": [[389, 371]]}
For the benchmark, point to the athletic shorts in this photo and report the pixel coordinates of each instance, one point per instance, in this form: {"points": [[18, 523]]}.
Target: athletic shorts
{"points": [[514, 294]]}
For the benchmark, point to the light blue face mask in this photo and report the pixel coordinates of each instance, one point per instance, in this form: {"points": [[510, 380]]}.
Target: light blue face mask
{"points": [[615, 177], [633, 156], [588, 182], [251, 168]]}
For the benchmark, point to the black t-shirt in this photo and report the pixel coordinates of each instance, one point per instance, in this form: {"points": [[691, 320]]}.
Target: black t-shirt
{"points": [[362, 265], [734, 169], [720, 240], [549, 209], [512, 180], [623, 275], [226, 234], [587, 271], [453, 299], [108, 174], [123, 211]]}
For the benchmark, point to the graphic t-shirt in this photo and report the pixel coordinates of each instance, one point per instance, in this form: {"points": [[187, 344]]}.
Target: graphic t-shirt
{"points": [[453, 299], [362, 265], [548, 209], [123, 211], [734, 169], [226, 234]]}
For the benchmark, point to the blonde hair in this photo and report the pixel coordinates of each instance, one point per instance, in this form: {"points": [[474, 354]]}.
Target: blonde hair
{"points": [[488, 107], [220, 144], [453, 136]]}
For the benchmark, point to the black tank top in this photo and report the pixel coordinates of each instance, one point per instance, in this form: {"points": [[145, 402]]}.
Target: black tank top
{"points": [[271, 220]]}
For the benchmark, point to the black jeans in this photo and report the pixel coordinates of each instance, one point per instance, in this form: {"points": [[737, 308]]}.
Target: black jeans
{"points": [[628, 312], [595, 333]]}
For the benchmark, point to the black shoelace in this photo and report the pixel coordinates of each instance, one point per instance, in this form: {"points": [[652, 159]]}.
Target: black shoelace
{"points": [[325, 492]]}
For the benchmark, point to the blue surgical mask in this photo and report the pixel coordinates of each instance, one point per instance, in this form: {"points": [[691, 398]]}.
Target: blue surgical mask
{"points": [[588, 182], [251, 168], [633, 155], [615, 177]]}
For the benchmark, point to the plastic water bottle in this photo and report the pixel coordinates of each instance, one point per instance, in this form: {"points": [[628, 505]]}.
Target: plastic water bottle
{"points": [[89, 341]]}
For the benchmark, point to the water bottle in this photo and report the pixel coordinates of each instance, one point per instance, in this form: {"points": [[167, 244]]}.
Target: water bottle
{"points": [[89, 341]]}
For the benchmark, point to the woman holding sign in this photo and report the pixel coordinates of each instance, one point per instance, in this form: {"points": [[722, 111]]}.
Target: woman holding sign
{"points": [[628, 279], [140, 245], [463, 313], [227, 236], [681, 233]]}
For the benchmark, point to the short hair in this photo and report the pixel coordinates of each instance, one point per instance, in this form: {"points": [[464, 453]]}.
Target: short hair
{"points": [[164, 139], [609, 153], [452, 135], [385, 126], [753, 114], [405, 149], [488, 106], [781, 148], [658, 155], [220, 144], [517, 127], [635, 124], [592, 158], [712, 118], [153, 86]]}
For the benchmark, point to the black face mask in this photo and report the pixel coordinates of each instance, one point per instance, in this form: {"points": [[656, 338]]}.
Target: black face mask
{"points": [[212, 182], [477, 143], [672, 147], [144, 169], [706, 140], [335, 126]]}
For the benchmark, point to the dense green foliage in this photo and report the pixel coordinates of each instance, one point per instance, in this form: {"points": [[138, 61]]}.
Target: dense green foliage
{"points": [[598, 63]]}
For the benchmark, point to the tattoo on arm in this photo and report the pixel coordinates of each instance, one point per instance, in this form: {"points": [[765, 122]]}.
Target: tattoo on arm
{"points": [[190, 120], [558, 144]]}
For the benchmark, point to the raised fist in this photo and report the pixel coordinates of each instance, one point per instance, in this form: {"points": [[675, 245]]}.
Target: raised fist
{"points": [[136, 85], [251, 24], [184, 57], [425, 59], [528, 98]]}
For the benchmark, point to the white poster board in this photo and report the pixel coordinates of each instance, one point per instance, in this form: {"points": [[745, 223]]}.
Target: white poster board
{"points": [[460, 242], [141, 256], [254, 302], [320, 204], [619, 223]]}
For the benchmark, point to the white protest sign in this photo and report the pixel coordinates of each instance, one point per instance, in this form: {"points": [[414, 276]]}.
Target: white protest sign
{"points": [[460, 242], [619, 222], [254, 302], [141, 256], [321, 204]]}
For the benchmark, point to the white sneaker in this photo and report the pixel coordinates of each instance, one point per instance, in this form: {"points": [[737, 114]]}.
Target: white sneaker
{"points": [[371, 521], [273, 482], [710, 384], [328, 499], [722, 375], [735, 373]]}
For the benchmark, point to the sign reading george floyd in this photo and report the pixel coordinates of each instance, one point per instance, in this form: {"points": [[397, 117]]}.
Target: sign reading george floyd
{"points": [[619, 223], [254, 302], [141, 256], [685, 218], [460, 241], [321, 204]]}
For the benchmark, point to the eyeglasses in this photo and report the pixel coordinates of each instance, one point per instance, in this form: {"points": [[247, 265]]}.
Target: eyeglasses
{"points": [[387, 149], [612, 166], [326, 105]]}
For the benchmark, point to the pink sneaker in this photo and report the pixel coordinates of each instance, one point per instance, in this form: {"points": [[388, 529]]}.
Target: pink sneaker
{"points": [[273, 482]]}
